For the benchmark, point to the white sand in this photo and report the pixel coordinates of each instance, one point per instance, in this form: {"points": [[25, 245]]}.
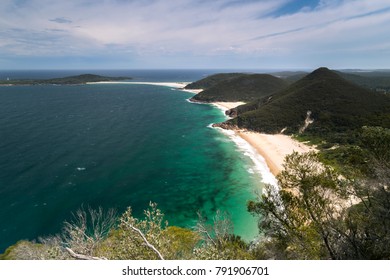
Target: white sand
{"points": [[227, 105], [166, 84], [196, 91], [274, 148], [178, 85]]}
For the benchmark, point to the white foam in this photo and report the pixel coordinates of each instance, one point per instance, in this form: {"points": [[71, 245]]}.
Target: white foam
{"points": [[81, 168], [260, 165], [222, 108], [189, 100]]}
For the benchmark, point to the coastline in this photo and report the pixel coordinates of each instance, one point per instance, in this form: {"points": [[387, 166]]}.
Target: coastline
{"points": [[176, 85], [227, 105], [273, 148], [166, 84]]}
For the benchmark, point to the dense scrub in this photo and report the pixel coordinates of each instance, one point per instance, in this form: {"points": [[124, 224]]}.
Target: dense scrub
{"points": [[244, 87], [337, 108]]}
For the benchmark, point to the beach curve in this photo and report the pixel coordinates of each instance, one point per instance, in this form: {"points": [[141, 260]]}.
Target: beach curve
{"points": [[273, 148]]}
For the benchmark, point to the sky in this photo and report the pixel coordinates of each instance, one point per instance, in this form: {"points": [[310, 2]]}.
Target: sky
{"points": [[186, 34]]}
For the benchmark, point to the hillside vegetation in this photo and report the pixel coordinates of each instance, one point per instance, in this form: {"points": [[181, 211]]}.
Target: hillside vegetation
{"points": [[95, 234], [372, 80], [212, 80], [331, 104], [377, 81], [246, 87]]}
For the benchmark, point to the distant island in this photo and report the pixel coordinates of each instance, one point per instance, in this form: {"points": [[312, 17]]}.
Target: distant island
{"points": [[71, 80]]}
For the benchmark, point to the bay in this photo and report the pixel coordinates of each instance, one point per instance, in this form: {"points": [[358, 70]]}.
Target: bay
{"points": [[115, 146]]}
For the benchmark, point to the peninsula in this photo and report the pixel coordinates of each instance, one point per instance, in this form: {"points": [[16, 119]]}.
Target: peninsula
{"points": [[71, 80]]}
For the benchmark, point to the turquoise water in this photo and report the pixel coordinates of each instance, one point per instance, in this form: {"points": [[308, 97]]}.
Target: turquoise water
{"points": [[115, 146]]}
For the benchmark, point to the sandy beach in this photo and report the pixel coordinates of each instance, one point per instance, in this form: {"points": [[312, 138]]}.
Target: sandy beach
{"points": [[178, 85], [166, 84], [272, 147], [227, 105]]}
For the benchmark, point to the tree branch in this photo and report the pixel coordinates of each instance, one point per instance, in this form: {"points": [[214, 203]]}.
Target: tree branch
{"points": [[146, 241], [81, 256]]}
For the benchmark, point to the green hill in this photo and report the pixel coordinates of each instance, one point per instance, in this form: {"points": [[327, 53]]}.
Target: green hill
{"points": [[374, 80], [244, 87], [71, 80], [212, 80], [379, 81], [335, 105]]}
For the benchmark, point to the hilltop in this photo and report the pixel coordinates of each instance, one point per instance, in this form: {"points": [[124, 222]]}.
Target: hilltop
{"points": [[376, 80], [327, 102], [71, 80], [212, 80], [239, 87]]}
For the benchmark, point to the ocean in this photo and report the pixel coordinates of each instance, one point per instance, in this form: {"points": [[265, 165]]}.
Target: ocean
{"points": [[115, 146]]}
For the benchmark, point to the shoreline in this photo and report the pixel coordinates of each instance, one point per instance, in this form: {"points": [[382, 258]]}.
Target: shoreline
{"points": [[176, 85], [273, 148], [166, 84], [226, 105]]}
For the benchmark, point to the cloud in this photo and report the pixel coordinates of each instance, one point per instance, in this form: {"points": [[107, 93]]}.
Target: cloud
{"points": [[61, 20], [197, 28]]}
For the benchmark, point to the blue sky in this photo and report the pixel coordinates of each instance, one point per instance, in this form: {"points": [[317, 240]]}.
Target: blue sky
{"points": [[258, 34]]}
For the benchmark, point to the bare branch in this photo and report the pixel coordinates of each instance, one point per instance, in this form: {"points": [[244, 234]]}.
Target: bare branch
{"points": [[81, 256], [145, 240], [202, 229]]}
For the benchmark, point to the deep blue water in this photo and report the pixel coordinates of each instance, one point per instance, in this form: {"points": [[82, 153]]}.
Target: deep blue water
{"points": [[115, 145]]}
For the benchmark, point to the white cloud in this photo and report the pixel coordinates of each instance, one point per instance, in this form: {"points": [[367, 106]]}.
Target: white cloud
{"points": [[192, 27]]}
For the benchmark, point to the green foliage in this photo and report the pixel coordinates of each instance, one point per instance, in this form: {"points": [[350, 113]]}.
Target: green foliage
{"points": [[373, 81], [244, 87], [181, 243], [212, 80], [318, 214], [218, 241], [351, 160], [126, 243], [366, 225], [96, 234], [338, 108], [297, 214], [27, 250], [377, 141], [367, 149]]}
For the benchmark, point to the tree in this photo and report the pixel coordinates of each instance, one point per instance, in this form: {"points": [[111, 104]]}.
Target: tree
{"points": [[97, 235], [137, 239], [318, 214], [300, 214], [218, 240], [83, 234]]}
